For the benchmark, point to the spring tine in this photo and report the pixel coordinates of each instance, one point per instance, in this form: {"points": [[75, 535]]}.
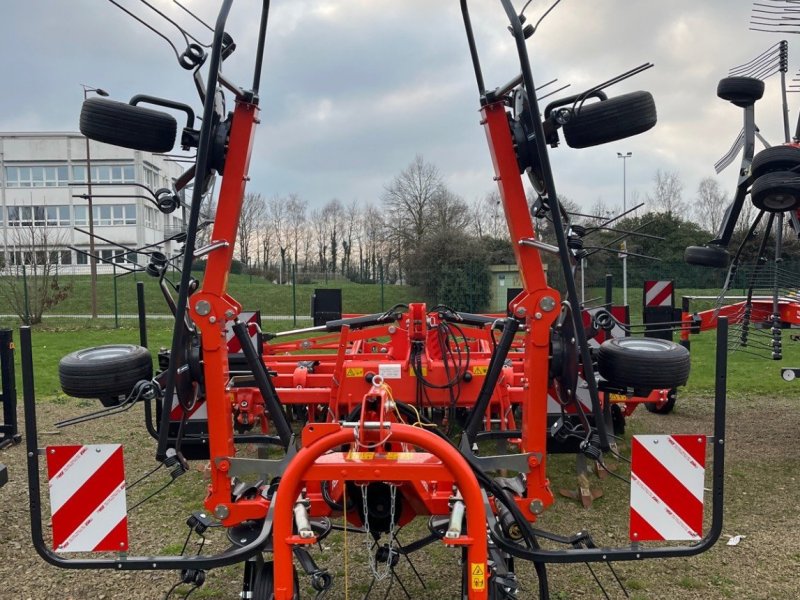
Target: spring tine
{"points": [[150, 27], [194, 16], [731, 154], [186, 35]]}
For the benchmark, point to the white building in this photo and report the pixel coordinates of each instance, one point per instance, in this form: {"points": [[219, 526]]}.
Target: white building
{"points": [[42, 179]]}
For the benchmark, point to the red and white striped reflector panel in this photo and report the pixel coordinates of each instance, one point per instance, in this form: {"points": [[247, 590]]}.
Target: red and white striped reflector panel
{"points": [[667, 478], [658, 293], [87, 498], [252, 319]]}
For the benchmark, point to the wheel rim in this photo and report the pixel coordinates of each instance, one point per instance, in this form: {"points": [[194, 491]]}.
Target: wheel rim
{"points": [[104, 352], [644, 344]]}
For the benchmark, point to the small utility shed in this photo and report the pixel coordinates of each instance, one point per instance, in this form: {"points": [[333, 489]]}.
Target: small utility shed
{"points": [[503, 278]]}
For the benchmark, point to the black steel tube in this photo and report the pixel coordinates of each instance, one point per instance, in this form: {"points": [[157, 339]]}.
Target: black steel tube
{"points": [[128, 563], [492, 376], [201, 169], [473, 49], [609, 291], [262, 35], [264, 384], [142, 313], [565, 255], [9, 387], [635, 551]]}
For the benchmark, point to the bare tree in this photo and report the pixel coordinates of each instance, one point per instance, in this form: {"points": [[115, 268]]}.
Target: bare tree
{"points": [[374, 240], [410, 196], [29, 283], [320, 237], [351, 228], [277, 210], [711, 204], [253, 208], [333, 217], [667, 196], [295, 220]]}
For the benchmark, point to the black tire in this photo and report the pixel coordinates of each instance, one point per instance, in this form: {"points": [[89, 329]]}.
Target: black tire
{"points": [[644, 363], [665, 407], [121, 124], [741, 91], [776, 192], [776, 158], [610, 120], [264, 583], [715, 257], [104, 372]]}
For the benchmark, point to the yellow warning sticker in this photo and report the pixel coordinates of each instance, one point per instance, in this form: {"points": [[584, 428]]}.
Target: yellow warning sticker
{"points": [[398, 456], [477, 573], [411, 372], [480, 369], [618, 397], [360, 455], [354, 372]]}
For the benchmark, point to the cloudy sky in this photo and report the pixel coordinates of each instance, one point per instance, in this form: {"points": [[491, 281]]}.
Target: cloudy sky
{"points": [[353, 89]]}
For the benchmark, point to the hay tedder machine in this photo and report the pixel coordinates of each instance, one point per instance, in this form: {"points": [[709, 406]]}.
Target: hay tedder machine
{"points": [[367, 423], [770, 178]]}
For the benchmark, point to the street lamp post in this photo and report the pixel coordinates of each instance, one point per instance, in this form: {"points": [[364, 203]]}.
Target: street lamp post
{"points": [[92, 260], [624, 158]]}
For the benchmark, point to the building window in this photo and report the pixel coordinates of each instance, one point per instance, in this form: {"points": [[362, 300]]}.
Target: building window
{"points": [[105, 173], [109, 214], [57, 215], [81, 258], [151, 176], [101, 215], [66, 257], [150, 218], [37, 176], [80, 215]]}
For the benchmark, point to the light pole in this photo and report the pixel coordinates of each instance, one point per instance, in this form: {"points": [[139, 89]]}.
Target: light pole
{"points": [[624, 158], [92, 260]]}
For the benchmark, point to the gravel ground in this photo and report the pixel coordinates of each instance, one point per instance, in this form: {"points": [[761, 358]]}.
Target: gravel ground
{"points": [[761, 504]]}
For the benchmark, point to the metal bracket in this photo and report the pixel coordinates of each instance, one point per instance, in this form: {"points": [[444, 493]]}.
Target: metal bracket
{"points": [[512, 462], [263, 467]]}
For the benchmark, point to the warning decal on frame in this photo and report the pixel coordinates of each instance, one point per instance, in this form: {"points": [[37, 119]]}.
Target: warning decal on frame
{"points": [[390, 371], [477, 573], [480, 369], [354, 372]]}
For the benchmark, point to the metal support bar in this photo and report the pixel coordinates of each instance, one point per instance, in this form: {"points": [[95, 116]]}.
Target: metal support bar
{"points": [[8, 430], [636, 551], [490, 382], [264, 383], [142, 314]]}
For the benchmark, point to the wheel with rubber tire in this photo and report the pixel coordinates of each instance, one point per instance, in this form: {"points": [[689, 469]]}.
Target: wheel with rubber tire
{"points": [[776, 192], [788, 374], [264, 582], [104, 372], [610, 120], [776, 158], [664, 407], [644, 363], [741, 91], [707, 256], [128, 126]]}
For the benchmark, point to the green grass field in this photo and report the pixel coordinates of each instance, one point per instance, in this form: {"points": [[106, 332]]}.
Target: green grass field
{"points": [[254, 293]]}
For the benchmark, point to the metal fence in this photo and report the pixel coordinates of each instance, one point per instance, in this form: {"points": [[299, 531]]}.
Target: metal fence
{"points": [[289, 304]]}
